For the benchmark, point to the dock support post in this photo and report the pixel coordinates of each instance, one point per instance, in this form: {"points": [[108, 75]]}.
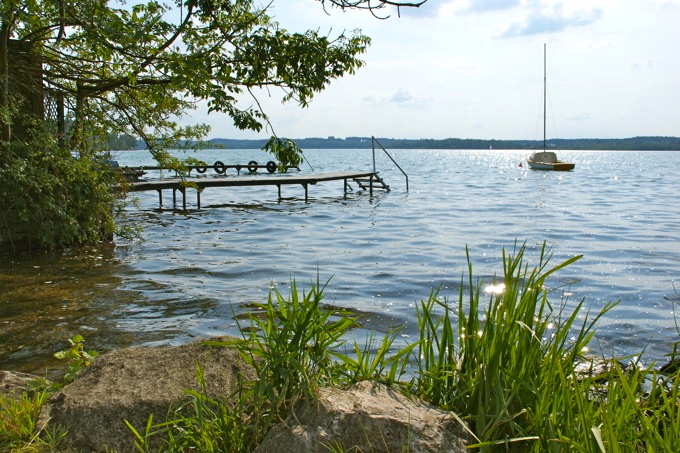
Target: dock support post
{"points": [[279, 187], [160, 198], [174, 197], [305, 186], [184, 198], [198, 197]]}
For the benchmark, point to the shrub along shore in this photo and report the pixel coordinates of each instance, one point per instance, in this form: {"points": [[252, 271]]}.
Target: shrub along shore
{"points": [[515, 369]]}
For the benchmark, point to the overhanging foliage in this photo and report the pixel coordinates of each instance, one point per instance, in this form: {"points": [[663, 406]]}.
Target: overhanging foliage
{"points": [[136, 69]]}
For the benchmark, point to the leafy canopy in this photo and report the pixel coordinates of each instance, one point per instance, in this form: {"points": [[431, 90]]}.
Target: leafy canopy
{"points": [[134, 69], [137, 68]]}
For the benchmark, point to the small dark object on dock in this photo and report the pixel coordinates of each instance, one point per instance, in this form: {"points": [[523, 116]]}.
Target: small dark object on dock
{"points": [[132, 174]]}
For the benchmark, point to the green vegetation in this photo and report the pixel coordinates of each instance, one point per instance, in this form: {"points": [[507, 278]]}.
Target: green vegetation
{"points": [[50, 199], [74, 76], [121, 142], [203, 424], [504, 366], [512, 369], [78, 358], [286, 152], [19, 422], [20, 427]]}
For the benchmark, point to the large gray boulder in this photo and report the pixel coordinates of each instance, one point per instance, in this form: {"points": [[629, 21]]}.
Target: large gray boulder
{"points": [[368, 417], [131, 384]]}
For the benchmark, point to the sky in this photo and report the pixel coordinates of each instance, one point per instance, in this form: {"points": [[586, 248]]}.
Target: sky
{"points": [[474, 69]]}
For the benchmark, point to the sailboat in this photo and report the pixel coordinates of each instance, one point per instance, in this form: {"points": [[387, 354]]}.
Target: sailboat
{"points": [[547, 160]]}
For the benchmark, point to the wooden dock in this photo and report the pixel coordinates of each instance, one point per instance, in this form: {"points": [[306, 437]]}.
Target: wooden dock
{"points": [[364, 179]]}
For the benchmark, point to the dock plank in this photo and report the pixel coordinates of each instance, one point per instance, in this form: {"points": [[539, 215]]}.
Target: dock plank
{"points": [[249, 180], [245, 181]]}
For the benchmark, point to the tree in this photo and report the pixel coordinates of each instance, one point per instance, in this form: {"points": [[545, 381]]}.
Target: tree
{"points": [[132, 71], [374, 6], [104, 68]]}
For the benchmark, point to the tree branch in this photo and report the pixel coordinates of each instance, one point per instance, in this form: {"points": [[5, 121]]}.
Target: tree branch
{"points": [[373, 5]]}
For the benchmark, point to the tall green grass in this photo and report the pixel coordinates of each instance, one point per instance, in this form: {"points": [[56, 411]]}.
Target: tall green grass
{"points": [[20, 427], [203, 424], [510, 369], [495, 364], [291, 349], [19, 420]]}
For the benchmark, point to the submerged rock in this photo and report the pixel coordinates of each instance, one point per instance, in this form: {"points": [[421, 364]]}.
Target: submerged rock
{"points": [[670, 367]]}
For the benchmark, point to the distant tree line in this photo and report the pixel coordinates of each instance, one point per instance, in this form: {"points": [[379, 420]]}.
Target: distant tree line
{"points": [[122, 142], [622, 144]]}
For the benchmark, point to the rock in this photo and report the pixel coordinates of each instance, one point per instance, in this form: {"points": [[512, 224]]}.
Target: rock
{"points": [[366, 418], [599, 369], [14, 383], [130, 384], [670, 367]]}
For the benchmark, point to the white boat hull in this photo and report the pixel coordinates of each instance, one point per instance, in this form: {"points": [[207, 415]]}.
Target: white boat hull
{"points": [[554, 166]]}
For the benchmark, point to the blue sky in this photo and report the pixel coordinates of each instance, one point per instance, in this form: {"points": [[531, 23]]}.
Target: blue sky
{"points": [[474, 69]]}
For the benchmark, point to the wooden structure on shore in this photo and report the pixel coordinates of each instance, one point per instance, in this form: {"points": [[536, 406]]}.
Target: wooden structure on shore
{"points": [[364, 179]]}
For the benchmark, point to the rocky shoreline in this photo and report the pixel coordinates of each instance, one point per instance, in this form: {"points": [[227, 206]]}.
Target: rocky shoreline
{"points": [[133, 383]]}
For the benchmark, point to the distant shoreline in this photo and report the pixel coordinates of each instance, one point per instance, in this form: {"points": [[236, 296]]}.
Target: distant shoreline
{"points": [[589, 144], [622, 144]]}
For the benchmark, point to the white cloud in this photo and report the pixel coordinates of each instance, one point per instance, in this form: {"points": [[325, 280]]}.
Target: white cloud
{"points": [[400, 98], [665, 2], [481, 6], [541, 18], [641, 63], [437, 71]]}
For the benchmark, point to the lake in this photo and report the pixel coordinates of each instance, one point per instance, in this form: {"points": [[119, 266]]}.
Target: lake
{"points": [[197, 271]]}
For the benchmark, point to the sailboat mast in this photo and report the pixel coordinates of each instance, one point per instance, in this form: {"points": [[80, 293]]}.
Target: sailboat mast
{"points": [[545, 93]]}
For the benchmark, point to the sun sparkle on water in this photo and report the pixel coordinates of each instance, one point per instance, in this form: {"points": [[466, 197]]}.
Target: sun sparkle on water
{"points": [[495, 289]]}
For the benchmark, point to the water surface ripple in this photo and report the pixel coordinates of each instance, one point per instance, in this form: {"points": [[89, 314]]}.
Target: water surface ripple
{"points": [[198, 270]]}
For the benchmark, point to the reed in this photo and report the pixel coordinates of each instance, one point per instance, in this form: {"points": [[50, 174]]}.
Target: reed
{"points": [[510, 369]]}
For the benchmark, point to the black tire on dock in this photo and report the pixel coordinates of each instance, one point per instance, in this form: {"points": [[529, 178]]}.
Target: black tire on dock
{"points": [[252, 166], [219, 167], [201, 167], [271, 166]]}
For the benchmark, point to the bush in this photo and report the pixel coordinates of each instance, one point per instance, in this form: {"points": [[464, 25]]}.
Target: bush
{"points": [[52, 200]]}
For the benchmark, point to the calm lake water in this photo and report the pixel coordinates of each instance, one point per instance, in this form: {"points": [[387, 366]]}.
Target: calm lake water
{"points": [[197, 271]]}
